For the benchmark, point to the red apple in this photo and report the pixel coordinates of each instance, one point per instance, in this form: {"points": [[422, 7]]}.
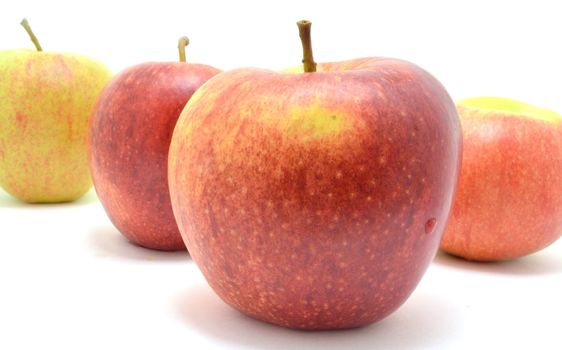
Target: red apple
{"points": [[509, 200], [130, 135], [316, 200]]}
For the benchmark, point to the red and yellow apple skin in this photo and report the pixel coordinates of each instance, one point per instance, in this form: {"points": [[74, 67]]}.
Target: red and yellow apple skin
{"points": [[46, 101], [316, 200], [131, 131], [509, 197]]}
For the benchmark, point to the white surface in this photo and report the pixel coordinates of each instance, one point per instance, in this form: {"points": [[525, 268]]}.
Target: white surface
{"points": [[68, 280]]}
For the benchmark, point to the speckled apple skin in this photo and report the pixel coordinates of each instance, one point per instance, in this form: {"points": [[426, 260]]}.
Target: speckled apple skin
{"points": [[46, 101], [509, 199], [131, 131], [317, 200]]}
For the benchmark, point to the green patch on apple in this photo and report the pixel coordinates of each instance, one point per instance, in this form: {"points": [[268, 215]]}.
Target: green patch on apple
{"points": [[313, 122], [507, 106]]}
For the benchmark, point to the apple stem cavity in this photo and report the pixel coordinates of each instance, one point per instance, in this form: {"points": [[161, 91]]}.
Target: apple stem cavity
{"points": [[182, 43], [32, 36], [307, 59]]}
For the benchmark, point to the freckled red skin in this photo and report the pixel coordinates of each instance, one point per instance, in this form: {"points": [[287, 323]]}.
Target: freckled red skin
{"points": [[130, 137], [317, 232], [509, 198]]}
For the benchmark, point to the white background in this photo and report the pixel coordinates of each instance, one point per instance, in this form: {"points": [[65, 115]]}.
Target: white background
{"points": [[68, 280]]}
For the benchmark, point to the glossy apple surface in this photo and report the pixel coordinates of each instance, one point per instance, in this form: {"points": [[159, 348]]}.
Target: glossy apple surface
{"points": [[46, 101], [316, 200], [509, 199], [131, 131]]}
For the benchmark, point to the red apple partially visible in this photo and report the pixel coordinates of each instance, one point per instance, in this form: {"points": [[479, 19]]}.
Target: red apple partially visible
{"points": [[130, 135], [509, 200], [316, 200]]}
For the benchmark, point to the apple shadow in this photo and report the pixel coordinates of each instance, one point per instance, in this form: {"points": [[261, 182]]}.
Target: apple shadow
{"points": [[89, 197], [535, 264], [8, 201], [108, 242], [421, 322]]}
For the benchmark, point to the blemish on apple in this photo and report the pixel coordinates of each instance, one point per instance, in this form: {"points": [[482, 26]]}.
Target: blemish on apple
{"points": [[430, 225]]}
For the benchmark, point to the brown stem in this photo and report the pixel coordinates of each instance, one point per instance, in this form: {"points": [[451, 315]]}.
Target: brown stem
{"points": [[307, 59], [182, 43], [32, 36]]}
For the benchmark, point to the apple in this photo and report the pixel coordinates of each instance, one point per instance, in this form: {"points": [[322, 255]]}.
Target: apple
{"points": [[46, 100], [509, 199], [131, 130], [316, 200]]}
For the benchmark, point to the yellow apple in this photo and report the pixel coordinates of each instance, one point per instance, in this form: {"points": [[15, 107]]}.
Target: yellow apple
{"points": [[46, 100]]}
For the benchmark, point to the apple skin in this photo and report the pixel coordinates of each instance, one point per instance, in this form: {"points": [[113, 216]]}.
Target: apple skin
{"points": [[316, 200], [509, 198], [46, 100], [131, 131]]}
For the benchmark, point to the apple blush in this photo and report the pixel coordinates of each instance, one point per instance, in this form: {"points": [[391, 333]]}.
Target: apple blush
{"points": [[316, 200], [131, 130]]}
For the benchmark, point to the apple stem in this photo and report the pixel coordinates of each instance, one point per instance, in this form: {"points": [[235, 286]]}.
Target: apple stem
{"points": [[182, 43], [304, 33], [32, 36]]}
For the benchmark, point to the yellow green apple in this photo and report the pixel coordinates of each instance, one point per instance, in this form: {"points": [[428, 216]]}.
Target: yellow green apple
{"points": [[509, 198], [46, 100]]}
